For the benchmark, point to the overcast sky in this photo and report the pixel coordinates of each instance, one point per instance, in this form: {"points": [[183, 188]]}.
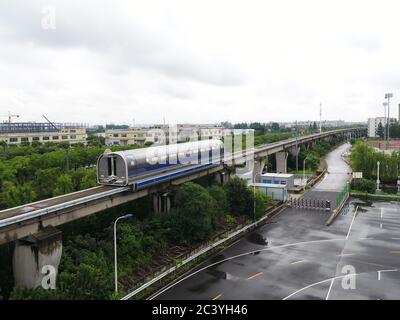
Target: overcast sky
{"points": [[198, 61]]}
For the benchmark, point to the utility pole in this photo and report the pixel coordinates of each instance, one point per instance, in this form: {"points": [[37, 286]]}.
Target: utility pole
{"points": [[388, 96], [384, 122], [297, 155], [320, 117], [377, 178]]}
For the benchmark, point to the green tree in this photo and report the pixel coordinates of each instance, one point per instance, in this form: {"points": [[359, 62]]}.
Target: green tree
{"points": [[195, 211], [275, 126], [218, 193], [261, 202], [380, 133], [45, 182], [13, 195], [23, 293], [364, 185], [63, 185], [240, 197], [89, 180]]}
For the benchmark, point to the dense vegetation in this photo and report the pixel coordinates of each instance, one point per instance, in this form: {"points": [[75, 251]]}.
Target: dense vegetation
{"points": [[35, 172], [394, 130], [271, 137], [365, 158], [86, 270]]}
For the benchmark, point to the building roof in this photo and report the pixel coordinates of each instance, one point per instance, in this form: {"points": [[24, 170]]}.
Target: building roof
{"points": [[277, 175], [268, 185]]}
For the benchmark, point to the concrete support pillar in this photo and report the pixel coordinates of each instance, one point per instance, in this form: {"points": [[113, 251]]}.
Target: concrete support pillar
{"points": [[157, 204], [222, 177], [166, 203], [161, 202], [36, 259], [259, 165], [281, 162]]}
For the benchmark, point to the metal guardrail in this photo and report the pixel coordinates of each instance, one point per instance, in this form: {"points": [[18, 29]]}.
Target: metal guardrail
{"points": [[197, 253]]}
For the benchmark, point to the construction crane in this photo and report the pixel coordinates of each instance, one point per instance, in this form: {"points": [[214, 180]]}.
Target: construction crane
{"points": [[9, 116], [51, 123]]}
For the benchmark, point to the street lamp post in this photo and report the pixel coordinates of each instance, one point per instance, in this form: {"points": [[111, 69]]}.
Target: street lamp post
{"points": [[388, 96], [297, 155], [385, 122], [377, 178], [115, 249]]}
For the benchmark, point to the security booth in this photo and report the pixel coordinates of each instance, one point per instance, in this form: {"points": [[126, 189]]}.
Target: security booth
{"points": [[274, 191], [278, 179]]}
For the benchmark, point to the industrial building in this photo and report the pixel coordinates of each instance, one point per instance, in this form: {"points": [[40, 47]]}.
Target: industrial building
{"points": [[16, 133], [161, 134]]}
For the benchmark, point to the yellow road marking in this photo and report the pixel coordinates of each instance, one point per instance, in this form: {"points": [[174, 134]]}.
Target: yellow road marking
{"points": [[295, 262], [217, 297], [255, 275], [345, 254]]}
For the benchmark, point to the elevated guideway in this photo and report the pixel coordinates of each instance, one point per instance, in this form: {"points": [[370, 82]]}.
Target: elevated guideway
{"points": [[19, 222]]}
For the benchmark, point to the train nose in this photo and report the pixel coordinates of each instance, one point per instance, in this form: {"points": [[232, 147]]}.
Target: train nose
{"points": [[112, 180]]}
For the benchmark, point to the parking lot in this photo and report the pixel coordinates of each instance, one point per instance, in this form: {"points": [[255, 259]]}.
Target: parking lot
{"points": [[356, 257]]}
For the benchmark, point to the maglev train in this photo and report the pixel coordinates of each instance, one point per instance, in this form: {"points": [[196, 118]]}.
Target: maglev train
{"points": [[141, 168]]}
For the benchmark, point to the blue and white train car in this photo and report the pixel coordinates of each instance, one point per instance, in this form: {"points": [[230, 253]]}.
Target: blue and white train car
{"points": [[141, 168]]}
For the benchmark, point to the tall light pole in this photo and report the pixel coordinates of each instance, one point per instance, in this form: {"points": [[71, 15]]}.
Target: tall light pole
{"points": [[377, 178], [304, 171], [384, 122], [320, 117], [115, 249], [388, 96], [297, 155]]}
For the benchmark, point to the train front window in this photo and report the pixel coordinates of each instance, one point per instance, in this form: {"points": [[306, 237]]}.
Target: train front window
{"points": [[112, 165]]}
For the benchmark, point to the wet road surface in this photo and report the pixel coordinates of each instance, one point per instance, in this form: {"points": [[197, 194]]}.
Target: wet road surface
{"points": [[306, 259]]}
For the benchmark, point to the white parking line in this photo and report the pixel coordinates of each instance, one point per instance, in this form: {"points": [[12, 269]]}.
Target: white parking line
{"points": [[348, 233], [319, 282], [329, 291], [241, 255], [296, 262], [379, 272]]}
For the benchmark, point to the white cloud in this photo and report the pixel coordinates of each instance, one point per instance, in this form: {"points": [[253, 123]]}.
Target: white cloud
{"points": [[192, 61]]}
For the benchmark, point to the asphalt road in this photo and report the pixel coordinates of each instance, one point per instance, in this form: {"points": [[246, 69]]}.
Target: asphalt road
{"points": [[357, 257]]}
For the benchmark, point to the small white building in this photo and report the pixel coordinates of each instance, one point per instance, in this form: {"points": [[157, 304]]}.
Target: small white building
{"points": [[274, 191], [284, 179]]}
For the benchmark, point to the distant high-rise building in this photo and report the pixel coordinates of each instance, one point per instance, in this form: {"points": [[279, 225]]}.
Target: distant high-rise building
{"points": [[373, 124], [398, 118]]}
